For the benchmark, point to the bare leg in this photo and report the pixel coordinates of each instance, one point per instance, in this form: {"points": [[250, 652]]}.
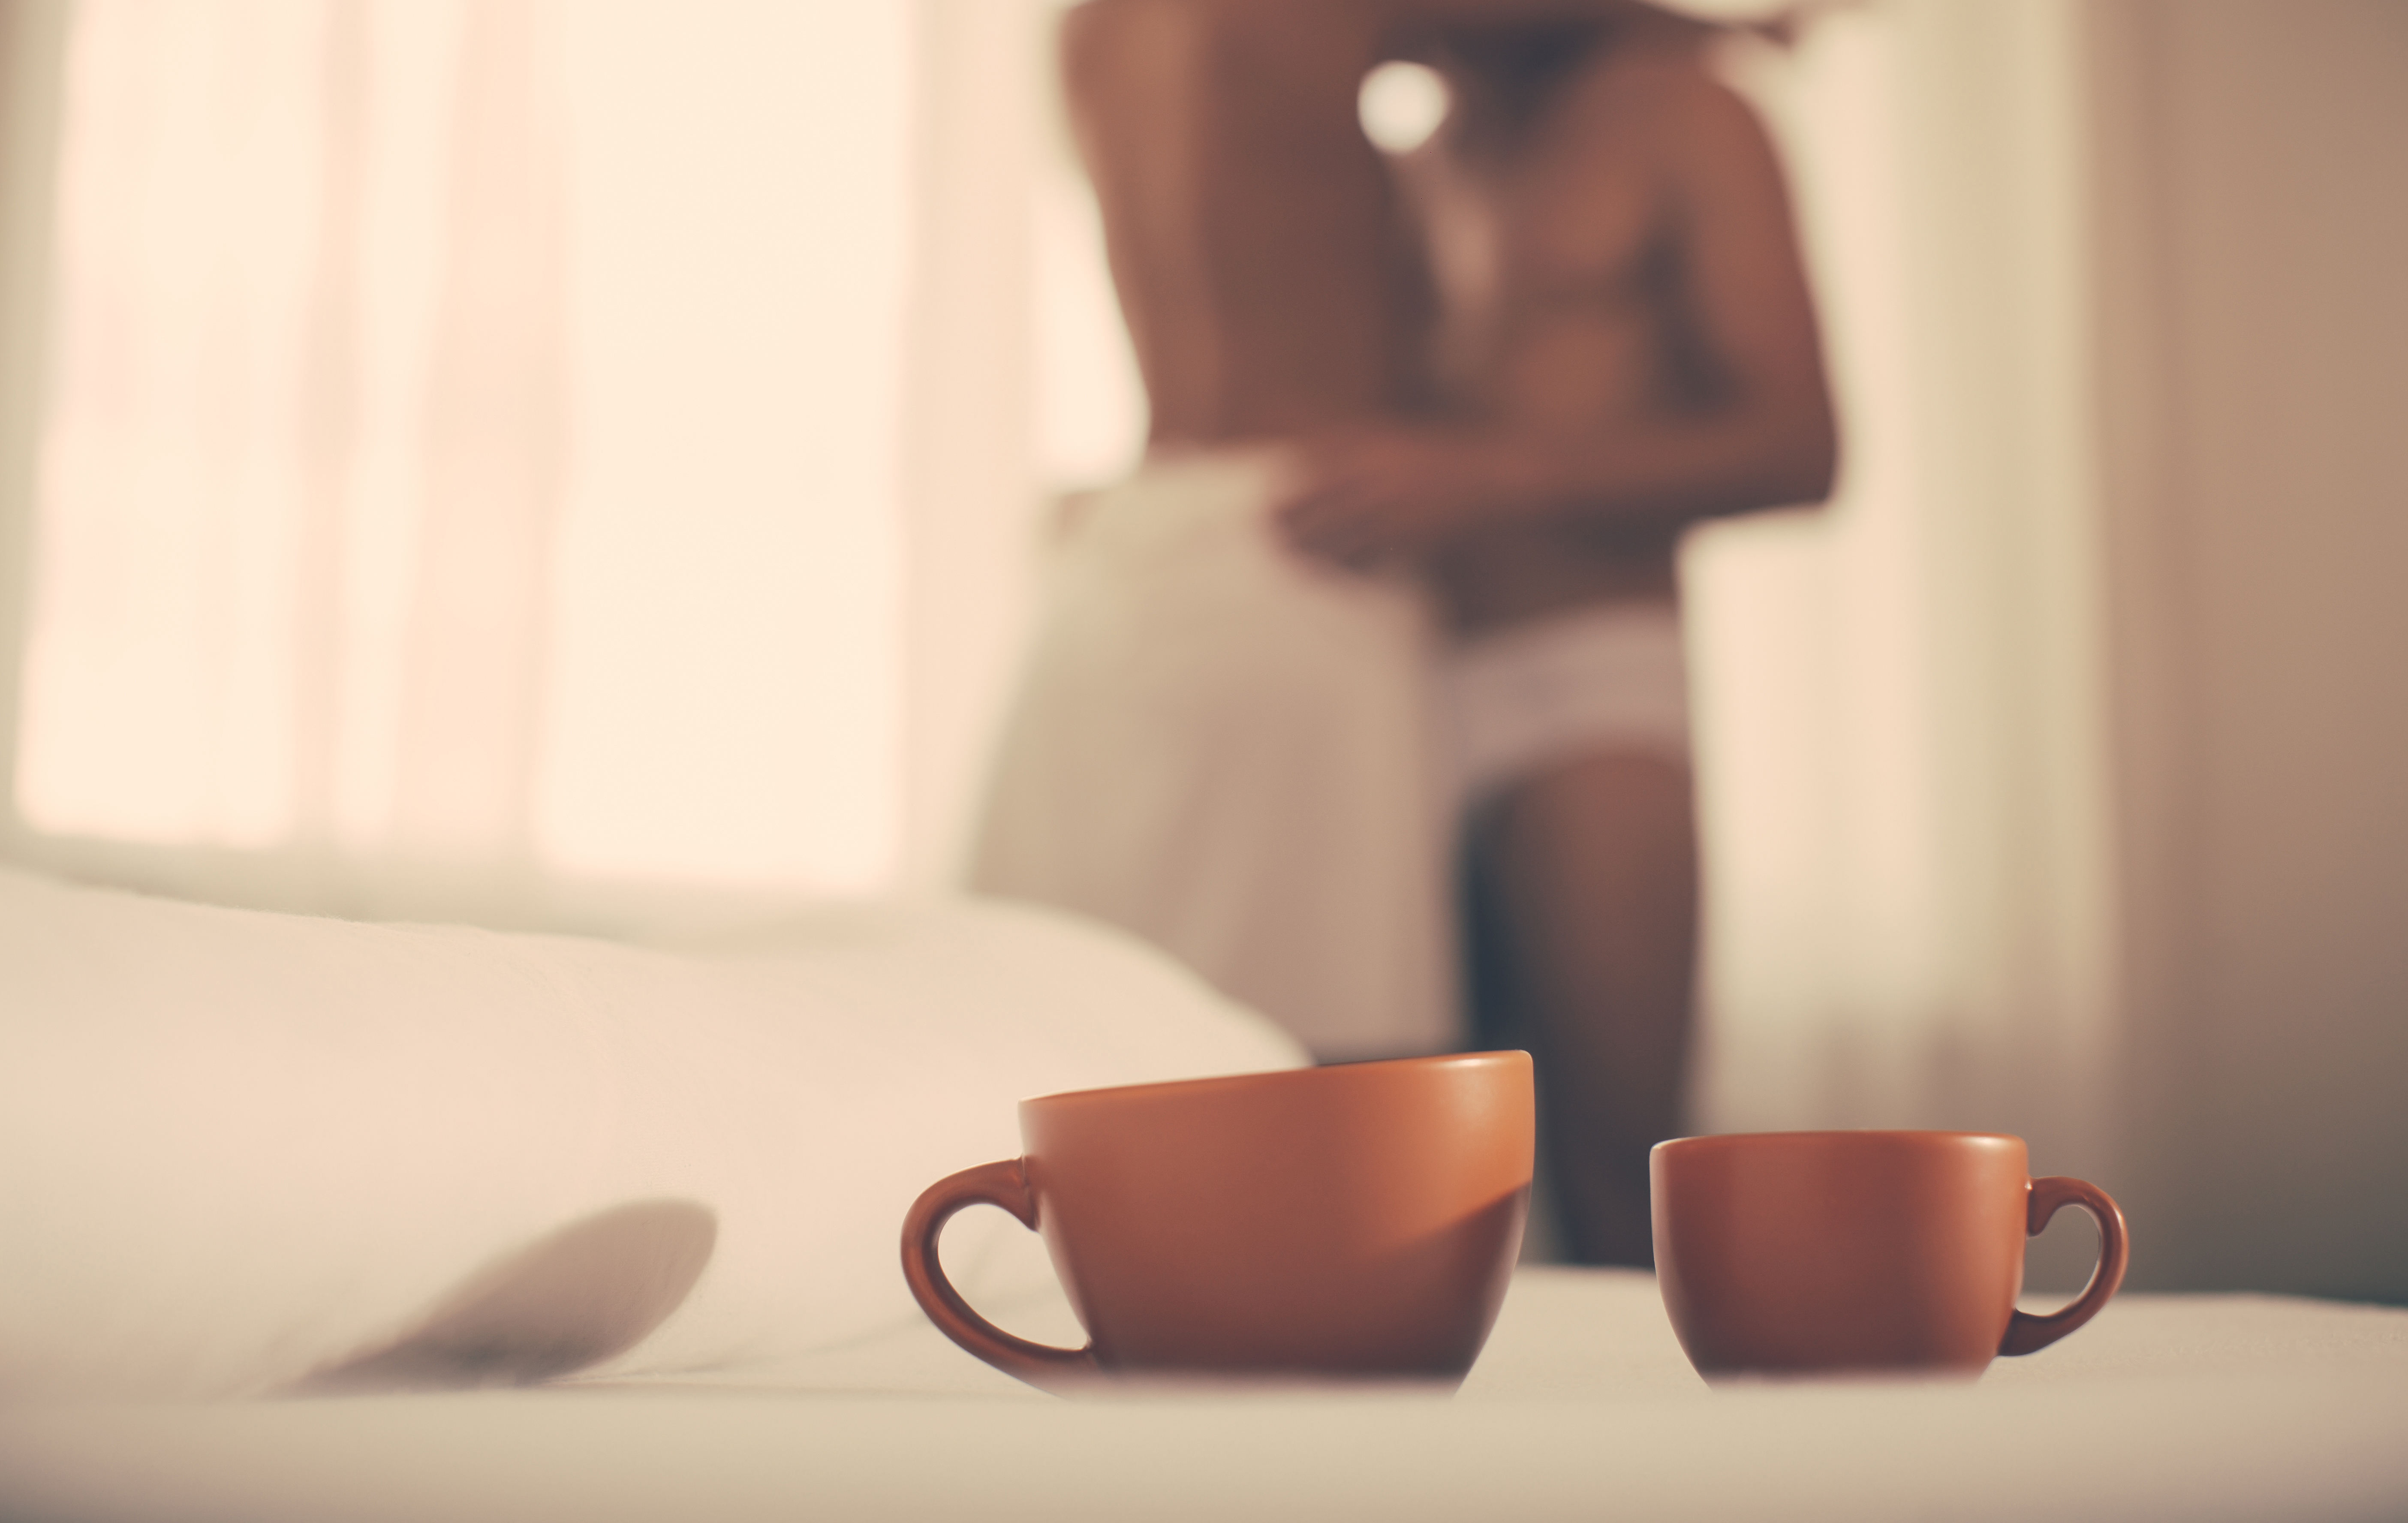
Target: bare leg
{"points": [[1587, 878]]}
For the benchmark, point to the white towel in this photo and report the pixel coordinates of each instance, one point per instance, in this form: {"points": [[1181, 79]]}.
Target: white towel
{"points": [[238, 1149], [1229, 752]]}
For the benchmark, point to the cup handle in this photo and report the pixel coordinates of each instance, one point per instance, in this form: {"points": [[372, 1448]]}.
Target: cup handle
{"points": [[2027, 1334], [1005, 1185]]}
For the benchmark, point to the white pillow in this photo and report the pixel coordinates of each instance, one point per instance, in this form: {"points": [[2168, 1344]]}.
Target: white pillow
{"points": [[239, 1148]]}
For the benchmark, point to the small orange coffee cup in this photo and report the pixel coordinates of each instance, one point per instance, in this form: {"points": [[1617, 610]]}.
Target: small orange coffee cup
{"points": [[1353, 1222], [1795, 1253]]}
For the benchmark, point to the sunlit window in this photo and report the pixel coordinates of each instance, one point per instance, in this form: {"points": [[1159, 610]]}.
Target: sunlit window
{"points": [[472, 435]]}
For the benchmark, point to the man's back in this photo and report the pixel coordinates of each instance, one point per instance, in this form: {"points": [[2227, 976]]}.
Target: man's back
{"points": [[1254, 237]]}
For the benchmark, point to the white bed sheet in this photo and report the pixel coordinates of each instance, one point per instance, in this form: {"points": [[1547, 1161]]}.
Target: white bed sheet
{"points": [[2212, 1407], [239, 1150]]}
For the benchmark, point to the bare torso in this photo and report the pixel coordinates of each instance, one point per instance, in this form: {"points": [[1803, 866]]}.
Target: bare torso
{"points": [[1556, 251]]}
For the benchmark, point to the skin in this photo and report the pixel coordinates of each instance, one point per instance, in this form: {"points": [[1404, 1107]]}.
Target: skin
{"points": [[1523, 360], [1254, 236], [1625, 342]]}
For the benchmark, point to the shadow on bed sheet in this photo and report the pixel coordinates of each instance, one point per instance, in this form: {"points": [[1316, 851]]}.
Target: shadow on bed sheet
{"points": [[575, 1297]]}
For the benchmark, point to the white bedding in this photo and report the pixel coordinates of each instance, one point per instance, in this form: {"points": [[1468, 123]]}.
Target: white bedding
{"points": [[2194, 1409], [238, 1148], [235, 1148]]}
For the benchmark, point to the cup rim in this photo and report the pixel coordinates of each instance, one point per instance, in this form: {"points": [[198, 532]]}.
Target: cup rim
{"points": [[1310, 1072], [1715, 1142]]}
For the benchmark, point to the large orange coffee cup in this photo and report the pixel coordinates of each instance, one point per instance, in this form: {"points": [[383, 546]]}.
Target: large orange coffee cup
{"points": [[1794, 1253], [1353, 1222]]}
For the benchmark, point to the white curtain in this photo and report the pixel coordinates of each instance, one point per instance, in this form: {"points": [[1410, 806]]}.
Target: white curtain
{"points": [[1903, 754], [468, 471], [1023, 387]]}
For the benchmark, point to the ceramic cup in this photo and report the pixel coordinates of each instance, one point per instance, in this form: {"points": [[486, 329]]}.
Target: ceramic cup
{"points": [[1790, 1253], [1352, 1222]]}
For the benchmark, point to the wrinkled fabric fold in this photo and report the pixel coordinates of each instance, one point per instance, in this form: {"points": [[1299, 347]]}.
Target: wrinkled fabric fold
{"points": [[1230, 753]]}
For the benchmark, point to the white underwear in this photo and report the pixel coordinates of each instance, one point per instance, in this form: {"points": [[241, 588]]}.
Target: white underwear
{"points": [[1535, 696]]}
